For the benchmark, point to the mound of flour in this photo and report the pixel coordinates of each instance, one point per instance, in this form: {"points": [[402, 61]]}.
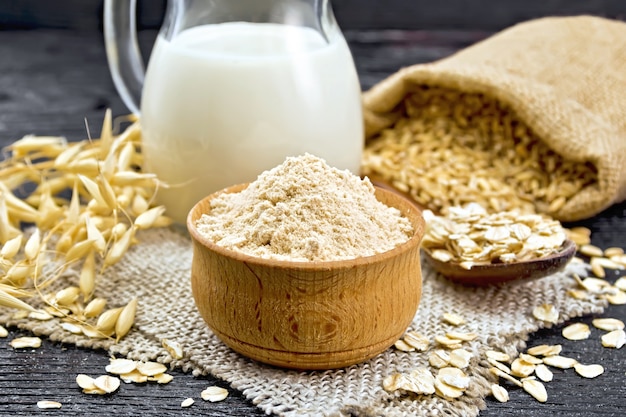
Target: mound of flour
{"points": [[305, 210]]}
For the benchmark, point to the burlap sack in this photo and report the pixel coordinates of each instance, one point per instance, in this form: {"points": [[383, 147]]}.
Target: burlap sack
{"points": [[564, 77]]}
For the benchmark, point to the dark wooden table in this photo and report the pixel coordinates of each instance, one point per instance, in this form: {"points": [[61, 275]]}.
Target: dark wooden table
{"points": [[51, 81]]}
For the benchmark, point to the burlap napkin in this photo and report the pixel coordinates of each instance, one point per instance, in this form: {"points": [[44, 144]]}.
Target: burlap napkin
{"points": [[564, 77], [157, 271]]}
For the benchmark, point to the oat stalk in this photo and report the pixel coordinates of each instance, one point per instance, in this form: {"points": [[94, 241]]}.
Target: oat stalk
{"points": [[89, 199]]}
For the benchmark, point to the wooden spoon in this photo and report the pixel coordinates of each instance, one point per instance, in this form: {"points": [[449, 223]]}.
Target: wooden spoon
{"points": [[481, 275]]}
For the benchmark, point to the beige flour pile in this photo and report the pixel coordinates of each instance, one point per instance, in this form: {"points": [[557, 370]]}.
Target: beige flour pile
{"points": [[305, 210], [157, 272]]}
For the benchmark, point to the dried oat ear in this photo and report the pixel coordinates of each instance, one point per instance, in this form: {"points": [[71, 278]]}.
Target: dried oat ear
{"points": [[90, 200]]}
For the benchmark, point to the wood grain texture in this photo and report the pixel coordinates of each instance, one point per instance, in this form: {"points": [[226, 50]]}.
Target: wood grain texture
{"points": [[351, 14], [308, 315], [51, 80]]}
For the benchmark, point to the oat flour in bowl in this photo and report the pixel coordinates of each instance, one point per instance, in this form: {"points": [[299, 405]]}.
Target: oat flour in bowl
{"points": [[305, 210]]}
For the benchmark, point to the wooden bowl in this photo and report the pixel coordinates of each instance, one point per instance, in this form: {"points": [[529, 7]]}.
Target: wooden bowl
{"points": [[307, 315]]}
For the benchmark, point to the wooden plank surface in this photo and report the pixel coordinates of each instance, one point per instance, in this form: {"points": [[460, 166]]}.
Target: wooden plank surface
{"points": [[50, 81], [351, 14]]}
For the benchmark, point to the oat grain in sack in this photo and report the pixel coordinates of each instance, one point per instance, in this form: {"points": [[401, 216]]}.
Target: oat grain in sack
{"points": [[532, 118]]}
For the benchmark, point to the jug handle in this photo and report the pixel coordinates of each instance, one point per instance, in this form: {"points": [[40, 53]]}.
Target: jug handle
{"points": [[122, 50]]}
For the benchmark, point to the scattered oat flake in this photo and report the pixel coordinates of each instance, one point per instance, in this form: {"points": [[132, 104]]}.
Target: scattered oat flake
{"points": [[453, 319], [588, 371], [26, 342], [579, 239], [614, 339], [607, 263], [594, 285], [161, 378], [466, 337], [439, 358], [500, 373], [544, 373], [460, 358], [536, 389], [445, 340], [41, 315], [545, 350], [613, 251], [403, 346], [451, 383], [521, 368], [620, 283], [446, 391], [581, 230], [419, 381], [94, 391], [530, 358], [558, 361], [22, 314], [3, 332], [107, 383], [608, 324], [547, 313], [151, 368], [72, 328], [499, 393], [590, 250], [187, 402], [617, 298], [620, 259], [45, 404], [121, 366], [174, 348], [214, 394], [393, 382], [578, 294], [597, 269], [454, 377], [85, 381], [134, 376], [499, 365], [498, 356], [416, 340], [576, 331], [422, 381]]}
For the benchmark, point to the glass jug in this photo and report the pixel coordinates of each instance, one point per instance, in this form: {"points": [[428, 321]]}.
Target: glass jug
{"points": [[232, 88]]}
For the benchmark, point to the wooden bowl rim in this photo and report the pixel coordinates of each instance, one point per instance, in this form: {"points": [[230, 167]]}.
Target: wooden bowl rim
{"points": [[407, 208]]}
